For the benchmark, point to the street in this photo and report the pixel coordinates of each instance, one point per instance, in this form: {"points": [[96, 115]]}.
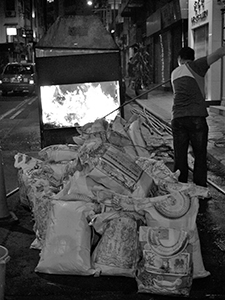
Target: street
{"points": [[20, 132], [17, 112]]}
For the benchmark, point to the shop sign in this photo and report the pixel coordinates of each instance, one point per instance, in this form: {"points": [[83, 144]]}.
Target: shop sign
{"points": [[201, 13], [133, 36], [170, 13], [184, 9], [153, 23]]}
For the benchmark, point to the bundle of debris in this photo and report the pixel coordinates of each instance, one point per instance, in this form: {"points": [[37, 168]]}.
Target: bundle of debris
{"points": [[109, 205]]}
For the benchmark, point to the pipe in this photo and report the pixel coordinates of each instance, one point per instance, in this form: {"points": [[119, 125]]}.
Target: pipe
{"points": [[216, 186]]}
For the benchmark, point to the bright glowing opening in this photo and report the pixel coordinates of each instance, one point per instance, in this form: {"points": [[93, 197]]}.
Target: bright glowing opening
{"points": [[78, 104], [11, 31]]}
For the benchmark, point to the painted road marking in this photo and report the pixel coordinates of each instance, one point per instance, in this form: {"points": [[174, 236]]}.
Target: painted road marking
{"points": [[17, 108], [16, 114]]}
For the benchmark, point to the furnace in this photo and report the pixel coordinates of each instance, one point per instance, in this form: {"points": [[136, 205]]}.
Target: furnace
{"points": [[79, 77]]}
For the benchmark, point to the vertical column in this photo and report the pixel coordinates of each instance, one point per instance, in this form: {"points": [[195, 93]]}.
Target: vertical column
{"points": [[222, 60]]}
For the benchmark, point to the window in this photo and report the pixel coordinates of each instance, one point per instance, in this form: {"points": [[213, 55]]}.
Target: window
{"points": [[13, 69], [28, 69], [201, 41], [10, 10]]}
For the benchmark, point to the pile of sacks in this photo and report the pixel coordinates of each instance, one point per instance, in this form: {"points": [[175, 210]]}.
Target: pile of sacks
{"points": [[109, 205]]}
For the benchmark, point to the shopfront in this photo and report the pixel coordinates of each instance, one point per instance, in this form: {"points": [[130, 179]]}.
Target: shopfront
{"points": [[166, 32], [205, 36]]}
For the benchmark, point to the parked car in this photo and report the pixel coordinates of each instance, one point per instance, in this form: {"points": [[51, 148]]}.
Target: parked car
{"points": [[18, 77]]}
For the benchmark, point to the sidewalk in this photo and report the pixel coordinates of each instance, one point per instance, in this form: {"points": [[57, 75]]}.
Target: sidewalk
{"points": [[159, 102]]}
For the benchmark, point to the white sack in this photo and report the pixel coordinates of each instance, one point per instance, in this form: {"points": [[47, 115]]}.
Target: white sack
{"points": [[68, 240], [166, 264], [179, 210], [58, 153], [117, 251]]}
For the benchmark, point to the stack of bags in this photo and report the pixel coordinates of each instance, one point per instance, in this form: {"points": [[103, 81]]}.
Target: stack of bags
{"points": [[109, 205]]}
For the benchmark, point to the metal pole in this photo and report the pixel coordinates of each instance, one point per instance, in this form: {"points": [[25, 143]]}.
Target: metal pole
{"points": [[12, 192], [131, 100]]}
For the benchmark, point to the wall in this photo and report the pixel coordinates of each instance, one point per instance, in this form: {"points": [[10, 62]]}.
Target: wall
{"points": [[2, 21], [206, 19]]}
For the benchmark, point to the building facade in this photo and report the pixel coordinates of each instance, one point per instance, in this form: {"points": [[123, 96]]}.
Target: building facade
{"points": [[166, 26], [161, 26], [205, 35], [22, 23]]}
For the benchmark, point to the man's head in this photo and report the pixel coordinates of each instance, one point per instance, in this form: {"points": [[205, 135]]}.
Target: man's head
{"points": [[185, 54]]}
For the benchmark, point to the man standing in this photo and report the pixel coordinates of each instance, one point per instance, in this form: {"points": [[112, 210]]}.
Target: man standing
{"points": [[189, 113]]}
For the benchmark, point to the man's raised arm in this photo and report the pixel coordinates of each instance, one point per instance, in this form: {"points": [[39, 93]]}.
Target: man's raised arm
{"points": [[217, 54]]}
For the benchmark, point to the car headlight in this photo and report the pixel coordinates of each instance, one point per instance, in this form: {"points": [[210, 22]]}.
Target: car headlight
{"points": [[0, 81], [31, 81]]}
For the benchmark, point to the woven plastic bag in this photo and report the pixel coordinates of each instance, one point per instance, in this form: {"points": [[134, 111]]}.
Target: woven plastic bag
{"points": [[166, 264], [179, 210], [117, 252], [68, 240]]}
